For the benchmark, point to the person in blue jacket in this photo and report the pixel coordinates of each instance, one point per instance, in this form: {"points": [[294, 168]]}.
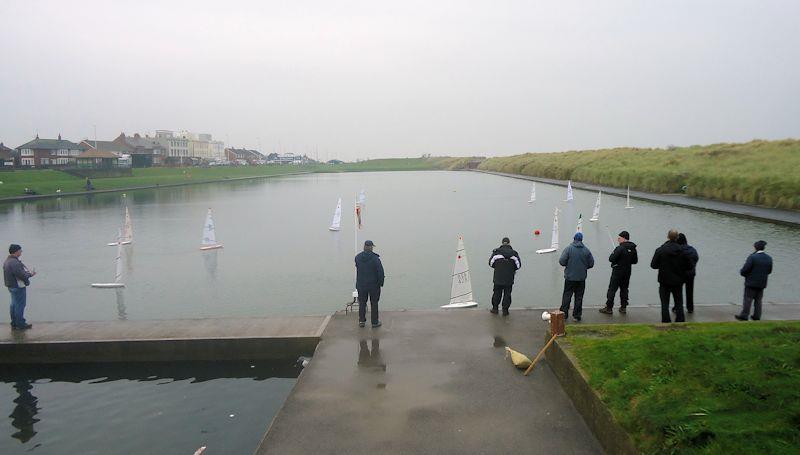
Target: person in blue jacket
{"points": [[369, 281], [755, 271], [577, 260]]}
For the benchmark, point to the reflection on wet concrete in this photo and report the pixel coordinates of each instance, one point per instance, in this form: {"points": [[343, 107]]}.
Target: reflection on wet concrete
{"points": [[370, 358], [23, 417], [122, 315], [499, 342]]}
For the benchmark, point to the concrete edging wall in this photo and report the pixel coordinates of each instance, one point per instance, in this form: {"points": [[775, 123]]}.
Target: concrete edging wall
{"points": [[613, 438]]}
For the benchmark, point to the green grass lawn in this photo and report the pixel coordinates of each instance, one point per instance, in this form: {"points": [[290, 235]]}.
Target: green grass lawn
{"points": [[757, 172], [48, 181], [719, 388]]}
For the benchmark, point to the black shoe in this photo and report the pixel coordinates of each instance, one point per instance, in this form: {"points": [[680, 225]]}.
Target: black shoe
{"points": [[493, 310], [505, 312], [754, 318], [690, 311], [740, 317], [606, 311], [577, 318], [376, 325], [362, 324], [22, 327], [623, 309]]}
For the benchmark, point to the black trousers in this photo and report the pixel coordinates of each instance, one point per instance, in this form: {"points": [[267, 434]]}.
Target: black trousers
{"points": [[619, 280], [502, 291], [570, 288], [664, 292], [373, 294], [689, 293], [751, 295]]}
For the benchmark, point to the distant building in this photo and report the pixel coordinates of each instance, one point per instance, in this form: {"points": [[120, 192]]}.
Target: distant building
{"points": [[121, 150], [145, 151], [290, 158], [335, 162], [245, 156], [97, 159], [49, 152], [187, 147], [6, 155]]}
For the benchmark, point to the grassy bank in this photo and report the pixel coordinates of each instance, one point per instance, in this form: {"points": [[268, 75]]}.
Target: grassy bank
{"points": [[49, 181], [698, 388], [756, 173]]}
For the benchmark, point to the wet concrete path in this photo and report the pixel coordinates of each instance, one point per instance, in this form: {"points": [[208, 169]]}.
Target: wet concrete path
{"points": [[428, 382]]}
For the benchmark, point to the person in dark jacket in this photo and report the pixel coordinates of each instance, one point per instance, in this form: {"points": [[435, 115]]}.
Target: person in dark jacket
{"points": [[369, 281], [17, 279], [672, 265], [622, 258], [505, 262], [756, 269], [577, 260], [690, 253]]}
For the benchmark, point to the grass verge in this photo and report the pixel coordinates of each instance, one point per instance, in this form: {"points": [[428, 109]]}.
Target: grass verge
{"points": [[716, 388], [46, 181], [755, 173]]}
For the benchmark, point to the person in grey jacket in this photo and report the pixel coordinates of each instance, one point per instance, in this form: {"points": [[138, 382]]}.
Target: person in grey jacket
{"points": [[17, 279], [576, 259], [756, 269]]}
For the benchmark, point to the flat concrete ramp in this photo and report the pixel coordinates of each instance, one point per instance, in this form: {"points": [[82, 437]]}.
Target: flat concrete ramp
{"points": [[163, 340], [428, 382]]}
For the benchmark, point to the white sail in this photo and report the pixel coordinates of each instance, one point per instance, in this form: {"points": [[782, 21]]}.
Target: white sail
{"points": [[336, 224], [118, 267], [533, 193], [628, 199], [127, 231], [596, 212], [461, 289], [579, 228], [209, 241], [554, 238], [569, 190]]}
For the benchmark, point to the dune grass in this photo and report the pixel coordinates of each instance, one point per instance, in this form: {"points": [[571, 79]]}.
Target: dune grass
{"points": [[757, 173], [46, 181], [718, 388]]}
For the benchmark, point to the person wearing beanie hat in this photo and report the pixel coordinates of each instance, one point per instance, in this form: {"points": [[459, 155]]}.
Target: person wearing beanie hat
{"points": [[505, 262], [577, 260], [756, 269], [369, 281], [621, 259], [17, 279]]}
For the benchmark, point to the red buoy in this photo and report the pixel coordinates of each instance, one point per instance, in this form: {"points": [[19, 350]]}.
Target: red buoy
{"points": [[536, 232]]}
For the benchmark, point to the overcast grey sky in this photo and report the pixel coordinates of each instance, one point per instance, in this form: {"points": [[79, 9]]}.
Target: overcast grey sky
{"points": [[402, 78]]}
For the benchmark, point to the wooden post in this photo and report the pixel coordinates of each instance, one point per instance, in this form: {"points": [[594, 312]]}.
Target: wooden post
{"points": [[557, 321], [539, 355]]}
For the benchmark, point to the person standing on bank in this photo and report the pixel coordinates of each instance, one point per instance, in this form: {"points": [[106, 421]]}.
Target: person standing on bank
{"points": [[577, 260], [369, 281], [17, 279], [622, 258], [672, 265], [690, 253], [505, 262], [756, 269]]}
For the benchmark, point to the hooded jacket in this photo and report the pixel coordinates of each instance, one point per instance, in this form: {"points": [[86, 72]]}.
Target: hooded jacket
{"points": [[672, 264], [694, 258], [15, 274], [756, 269], [623, 257], [369, 270], [576, 259], [505, 262]]}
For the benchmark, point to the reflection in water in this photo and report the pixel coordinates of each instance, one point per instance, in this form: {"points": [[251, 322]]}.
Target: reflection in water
{"points": [[122, 315], [370, 359], [210, 258], [128, 257], [23, 417]]}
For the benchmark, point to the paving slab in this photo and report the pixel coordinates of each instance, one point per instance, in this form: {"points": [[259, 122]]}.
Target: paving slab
{"points": [[428, 382]]}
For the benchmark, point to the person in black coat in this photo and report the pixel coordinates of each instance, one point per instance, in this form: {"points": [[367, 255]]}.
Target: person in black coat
{"points": [[622, 258], [369, 281], [755, 272], [672, 265], [690, 253], [505, 262]]}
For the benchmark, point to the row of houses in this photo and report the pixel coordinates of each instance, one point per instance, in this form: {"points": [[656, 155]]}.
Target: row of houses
{"points": [[166, 148]]}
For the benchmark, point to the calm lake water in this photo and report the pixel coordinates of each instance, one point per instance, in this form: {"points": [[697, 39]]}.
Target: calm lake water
{"points": [[140, 408], [281, 259]]}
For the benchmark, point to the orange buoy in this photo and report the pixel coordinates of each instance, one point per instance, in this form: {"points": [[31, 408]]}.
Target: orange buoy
{"points": [[536, 232]]}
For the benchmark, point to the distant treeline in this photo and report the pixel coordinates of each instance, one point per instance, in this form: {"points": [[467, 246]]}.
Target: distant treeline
{"points": [[765, 173]]}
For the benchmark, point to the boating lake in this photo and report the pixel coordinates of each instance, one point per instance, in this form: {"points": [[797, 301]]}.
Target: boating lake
{"points": [[279, 257]]}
